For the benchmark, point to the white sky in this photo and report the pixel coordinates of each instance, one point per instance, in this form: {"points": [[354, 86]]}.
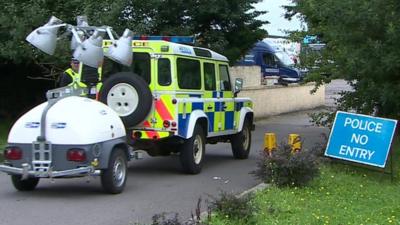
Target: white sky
{"points": [[275, 16]]}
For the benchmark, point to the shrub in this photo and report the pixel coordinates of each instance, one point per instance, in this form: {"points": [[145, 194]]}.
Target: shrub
{"points": [[166, 219], [173, 218], [323, 119], [284, 168], [232, 207]]}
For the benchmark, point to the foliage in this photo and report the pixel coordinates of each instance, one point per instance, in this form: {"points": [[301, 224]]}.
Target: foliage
{"points": [[4, 128], [323, 118], [339, 196], [166, 219], [174, 219], [342, 194], [237, 208], [230, 27], [362, 46], [284, 168]]}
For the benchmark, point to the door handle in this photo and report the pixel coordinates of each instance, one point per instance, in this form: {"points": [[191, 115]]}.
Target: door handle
{"points": [[209, 107]]}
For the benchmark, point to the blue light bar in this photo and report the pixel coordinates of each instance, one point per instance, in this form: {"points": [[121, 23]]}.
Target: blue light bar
{"points": [[175, 39]]}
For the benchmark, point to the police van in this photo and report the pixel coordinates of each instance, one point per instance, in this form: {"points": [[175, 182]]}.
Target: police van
{"points": [[176, 98]]}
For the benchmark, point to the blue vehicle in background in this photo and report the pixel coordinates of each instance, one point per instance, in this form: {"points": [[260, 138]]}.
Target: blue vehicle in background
{"points": [[273, 62]]}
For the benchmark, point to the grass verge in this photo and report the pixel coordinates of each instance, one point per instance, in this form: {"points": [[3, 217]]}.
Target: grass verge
{"points": [[343, 194]]}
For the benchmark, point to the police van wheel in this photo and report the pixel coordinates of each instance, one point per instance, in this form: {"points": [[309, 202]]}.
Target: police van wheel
{"points": [[113, 179], [129, 96], [192, 152], [28, 184], [241, 142]]}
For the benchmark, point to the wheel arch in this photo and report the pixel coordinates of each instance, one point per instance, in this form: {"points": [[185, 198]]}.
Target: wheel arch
{"points": [[124, 147], [245, 113], [197, 117], [108, 147]]}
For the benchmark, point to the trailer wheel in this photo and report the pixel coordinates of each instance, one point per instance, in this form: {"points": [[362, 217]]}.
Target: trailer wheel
{"points": [[28, 184], [241, 142], [113, 179], [129, 96], [192, 152]]}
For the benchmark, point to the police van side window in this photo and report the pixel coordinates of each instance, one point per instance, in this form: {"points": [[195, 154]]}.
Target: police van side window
{"points": [[209, 76], [224, 76], [141, 65], [188, 71], [164, 72], [269, 60]]}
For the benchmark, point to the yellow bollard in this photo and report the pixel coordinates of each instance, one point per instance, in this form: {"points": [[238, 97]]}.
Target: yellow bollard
{"points": [[269, 142], [294, 141]]}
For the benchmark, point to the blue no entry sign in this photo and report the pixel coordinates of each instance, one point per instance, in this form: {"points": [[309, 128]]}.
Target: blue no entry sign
{"points": [[360, 138]]}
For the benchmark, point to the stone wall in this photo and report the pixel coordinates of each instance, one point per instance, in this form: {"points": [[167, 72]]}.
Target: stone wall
{"points": [[251, 75], [269, 101]]}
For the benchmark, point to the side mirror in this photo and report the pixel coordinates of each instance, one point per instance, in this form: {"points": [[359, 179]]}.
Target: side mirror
{"points": [[238, 85]]}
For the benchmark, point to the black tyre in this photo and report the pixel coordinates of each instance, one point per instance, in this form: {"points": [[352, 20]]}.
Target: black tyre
{"points": [[128, 95], [241, 142], [113, 179], [28, 184], [192, 152]]}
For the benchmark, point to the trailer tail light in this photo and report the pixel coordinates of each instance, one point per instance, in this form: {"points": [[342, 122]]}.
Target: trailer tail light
{"points": [[13, 153], [76, 155]]}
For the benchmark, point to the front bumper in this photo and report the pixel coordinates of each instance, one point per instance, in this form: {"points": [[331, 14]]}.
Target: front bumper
{"points": [[290, 79], [26, 172]]}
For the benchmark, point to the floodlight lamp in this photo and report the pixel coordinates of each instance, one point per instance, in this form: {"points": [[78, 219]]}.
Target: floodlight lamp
{"points": [[90, 52], [121, 50], [82, 21], [76, 42], [45, 37]]}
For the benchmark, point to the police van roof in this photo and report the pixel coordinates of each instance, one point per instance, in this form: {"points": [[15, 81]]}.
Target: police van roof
{"points": [[179, 46], [263, 47], [175, 48]]}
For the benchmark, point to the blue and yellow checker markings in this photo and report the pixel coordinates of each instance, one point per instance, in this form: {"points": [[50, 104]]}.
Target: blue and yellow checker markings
{"points": [[183, 122], [221, 112], [210, 116]]}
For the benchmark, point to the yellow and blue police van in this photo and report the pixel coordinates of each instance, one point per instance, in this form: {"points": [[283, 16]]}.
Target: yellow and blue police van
{"points": [[176, 98]]}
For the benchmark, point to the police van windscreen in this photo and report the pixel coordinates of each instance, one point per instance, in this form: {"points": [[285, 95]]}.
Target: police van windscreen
{"points": [[284, 58]]}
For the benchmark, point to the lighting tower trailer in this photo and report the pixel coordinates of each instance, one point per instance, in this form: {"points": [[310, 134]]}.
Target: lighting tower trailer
{"points": [[67, 136]]}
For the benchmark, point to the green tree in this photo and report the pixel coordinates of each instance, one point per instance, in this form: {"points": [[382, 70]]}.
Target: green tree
{"points": [[362, 46], [229, 27]]}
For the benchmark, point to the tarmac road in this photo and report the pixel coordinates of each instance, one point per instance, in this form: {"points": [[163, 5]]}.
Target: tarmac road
{"points": [[154, 185]]}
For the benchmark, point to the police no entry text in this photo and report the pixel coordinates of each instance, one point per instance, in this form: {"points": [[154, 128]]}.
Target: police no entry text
{"points": [[366, 125], [356, 152]]}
